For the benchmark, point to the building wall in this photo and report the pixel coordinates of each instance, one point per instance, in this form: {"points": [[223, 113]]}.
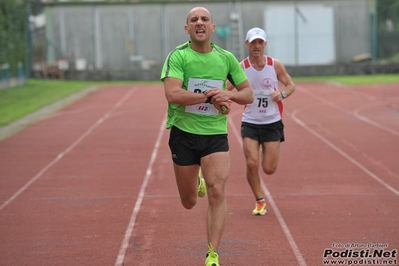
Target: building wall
{"points": [[137, 37]]}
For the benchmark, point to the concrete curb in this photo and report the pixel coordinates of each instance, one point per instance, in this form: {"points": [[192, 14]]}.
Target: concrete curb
{"points": [[22, 123]]}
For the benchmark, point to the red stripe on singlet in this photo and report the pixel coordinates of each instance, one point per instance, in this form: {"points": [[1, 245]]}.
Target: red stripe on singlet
{"points": [[269, 61], [246, 63], [280, 108]]}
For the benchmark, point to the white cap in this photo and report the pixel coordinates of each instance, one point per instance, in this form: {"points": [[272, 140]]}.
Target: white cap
{"points": [[256, 33]]}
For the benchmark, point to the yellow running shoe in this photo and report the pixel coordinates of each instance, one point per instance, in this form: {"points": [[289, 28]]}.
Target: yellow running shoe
{"points": [[201, 185], [260, 208], [212, 258]]}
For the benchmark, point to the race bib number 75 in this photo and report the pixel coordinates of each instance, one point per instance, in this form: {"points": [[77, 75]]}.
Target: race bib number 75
{"points": [[263, 105]]}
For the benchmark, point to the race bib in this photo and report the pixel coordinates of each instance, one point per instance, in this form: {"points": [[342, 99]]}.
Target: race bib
{"points": [[263, 105], [200, 86]]}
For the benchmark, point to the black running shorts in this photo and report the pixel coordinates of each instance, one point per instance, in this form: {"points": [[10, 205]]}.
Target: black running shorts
{"points": [[263, 133], [188, 149]]}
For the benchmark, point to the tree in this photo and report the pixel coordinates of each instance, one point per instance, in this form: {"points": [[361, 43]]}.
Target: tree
{"points": [[13, 32]]}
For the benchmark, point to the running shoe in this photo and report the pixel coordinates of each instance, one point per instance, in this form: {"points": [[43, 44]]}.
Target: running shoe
{"points": [[260, 208], [201, 185], [212, 258]]}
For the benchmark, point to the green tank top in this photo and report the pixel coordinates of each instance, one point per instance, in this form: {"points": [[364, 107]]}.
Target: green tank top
{"points": [[199, 72]]}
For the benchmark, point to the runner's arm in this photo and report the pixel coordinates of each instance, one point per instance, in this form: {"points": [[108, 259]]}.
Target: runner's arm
{"points": [[174, 93], [284, 77], [242, 95]]}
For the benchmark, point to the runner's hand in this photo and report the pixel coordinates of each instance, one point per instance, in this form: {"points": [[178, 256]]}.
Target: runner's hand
{"points": [[276, 96], [218, 95], [223, 107]]}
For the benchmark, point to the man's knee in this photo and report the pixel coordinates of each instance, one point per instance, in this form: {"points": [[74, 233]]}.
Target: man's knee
{"points": [[189, 203], [269, 170], [216, 193], [252, 164]]}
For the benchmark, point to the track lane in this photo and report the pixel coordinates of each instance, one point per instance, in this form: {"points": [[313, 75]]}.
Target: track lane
{"points": [[339, 202], [79, 211]]}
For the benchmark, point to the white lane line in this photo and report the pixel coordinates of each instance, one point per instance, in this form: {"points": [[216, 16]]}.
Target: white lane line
{"points": [[372, 122], [348, 157], [132, 222], [354, 113], [67, 150], [286, 230]]}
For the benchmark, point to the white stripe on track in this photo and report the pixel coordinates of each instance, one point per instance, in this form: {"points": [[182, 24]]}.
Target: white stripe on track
{"points": [[372, 122], [347, 156], [354, 113], [132, 222], [67, 150], [286, 230]]}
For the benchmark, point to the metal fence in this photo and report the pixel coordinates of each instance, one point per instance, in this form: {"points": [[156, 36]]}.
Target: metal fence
{"points": [[7, 80], [130, 41]]}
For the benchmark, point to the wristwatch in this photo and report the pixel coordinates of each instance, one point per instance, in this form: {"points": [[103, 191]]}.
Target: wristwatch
{"points": [[283, 94]]}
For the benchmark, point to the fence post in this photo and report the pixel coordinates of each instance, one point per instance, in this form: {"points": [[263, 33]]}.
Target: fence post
{"points": [[8, 75], [21, 75], [2, 81], [5, 75]]}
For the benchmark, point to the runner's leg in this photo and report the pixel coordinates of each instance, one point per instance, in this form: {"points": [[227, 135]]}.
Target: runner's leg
{"points": [[251, 152], [187, 184], [270, 156], [216, 169]]}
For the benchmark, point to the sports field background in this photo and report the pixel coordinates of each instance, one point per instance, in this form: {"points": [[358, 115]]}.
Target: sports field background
{"points": [[17, 102], [91, 182]]}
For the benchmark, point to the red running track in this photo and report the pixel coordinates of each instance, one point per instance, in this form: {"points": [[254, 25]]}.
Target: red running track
{"points": [[93, 184]]}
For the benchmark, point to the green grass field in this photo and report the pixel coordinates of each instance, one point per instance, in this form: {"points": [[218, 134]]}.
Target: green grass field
{"points": [[17, 102], [353, 80]]}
